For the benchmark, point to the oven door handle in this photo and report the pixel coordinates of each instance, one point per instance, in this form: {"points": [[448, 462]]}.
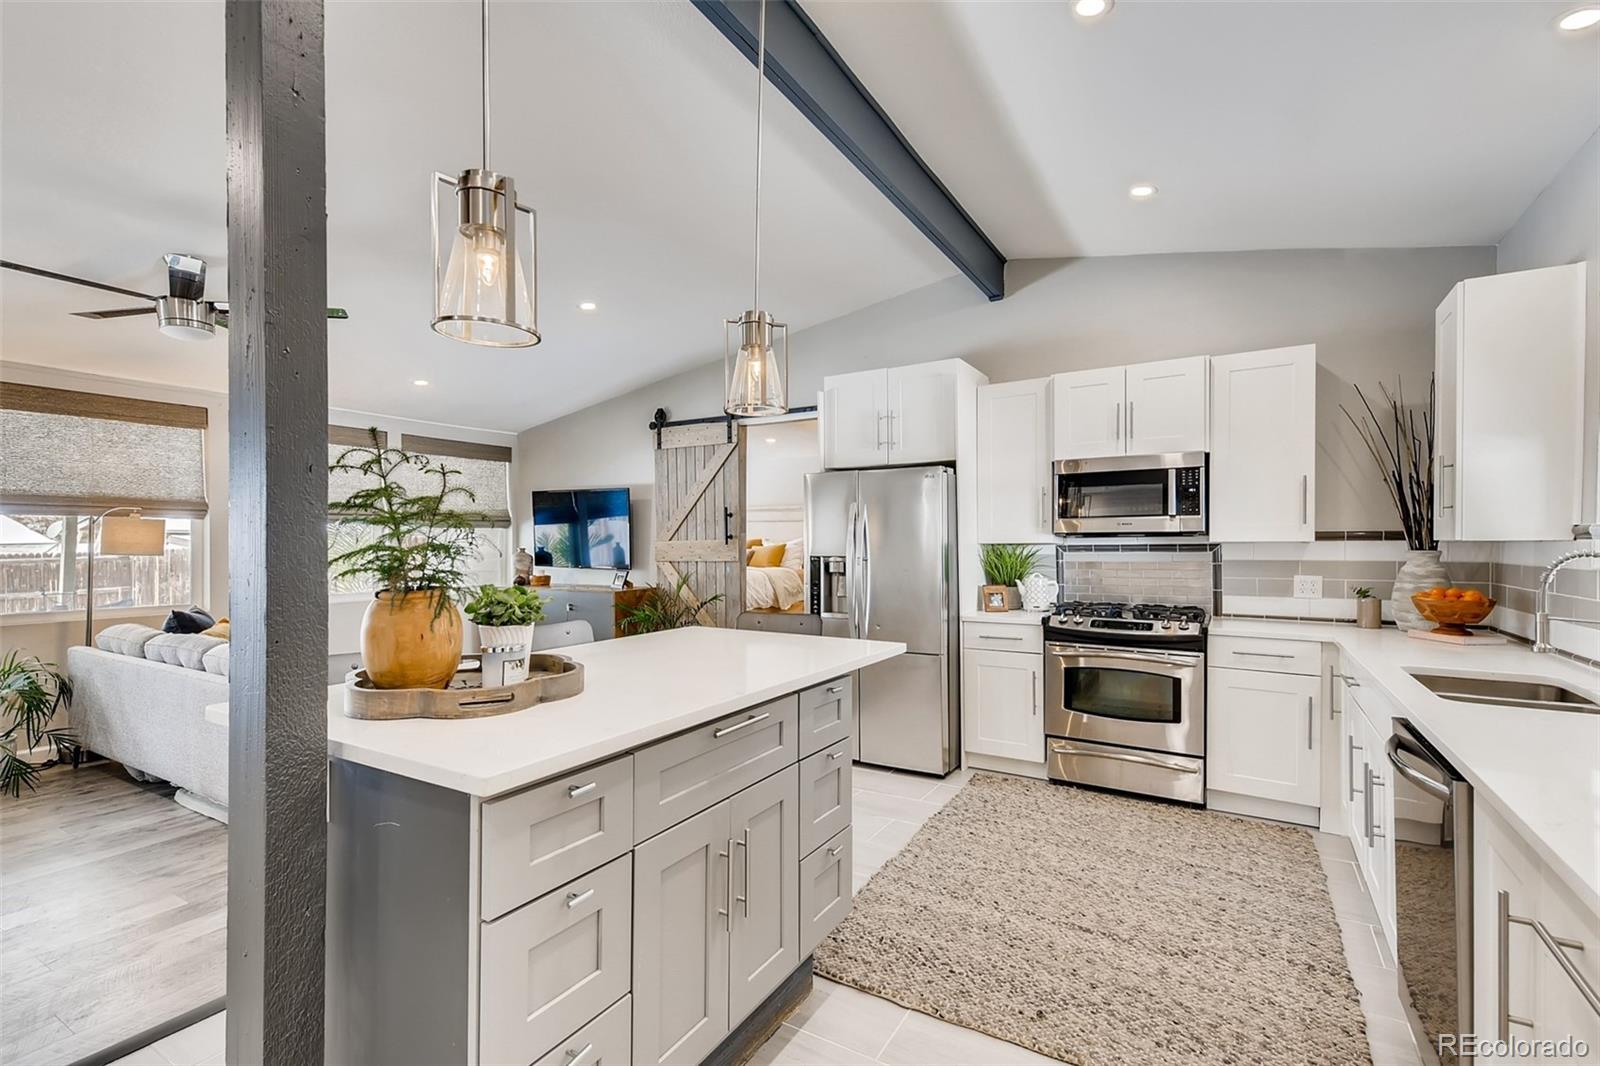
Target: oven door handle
{"points": [[1433, 787], [1160, 662], [1062, 747]]}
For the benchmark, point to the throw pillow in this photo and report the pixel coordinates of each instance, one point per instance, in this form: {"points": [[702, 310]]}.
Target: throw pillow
{"points": [[767, 555], [194, 620], [129, 638], [222, 630], [180, 649], [753, 542], [794, 555], [215, 661]]}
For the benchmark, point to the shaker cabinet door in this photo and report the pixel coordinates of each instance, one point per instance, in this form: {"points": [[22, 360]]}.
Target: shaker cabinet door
{"points": [[855, 420], [1264, 445], [1168, 406], [764, 948], [1262, 735], [1089, 413], [1014, 463]]}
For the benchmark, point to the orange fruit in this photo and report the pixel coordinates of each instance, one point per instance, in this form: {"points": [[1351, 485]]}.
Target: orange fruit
{"points": [[1473, 596], [1435, 593], [1452, 594]]}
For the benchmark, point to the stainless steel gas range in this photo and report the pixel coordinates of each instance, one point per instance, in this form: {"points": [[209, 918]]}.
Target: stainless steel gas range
{"points": [[1125, 698]]}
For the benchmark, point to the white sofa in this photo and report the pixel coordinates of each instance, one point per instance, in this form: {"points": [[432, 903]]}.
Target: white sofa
{"points": [[150, 716]]}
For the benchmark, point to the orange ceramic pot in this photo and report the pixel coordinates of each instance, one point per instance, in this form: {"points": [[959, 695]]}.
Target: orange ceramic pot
{"points": [[407, 643]]}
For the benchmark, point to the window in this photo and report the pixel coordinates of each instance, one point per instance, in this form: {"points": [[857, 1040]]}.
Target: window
{"points": [[44, 567]]}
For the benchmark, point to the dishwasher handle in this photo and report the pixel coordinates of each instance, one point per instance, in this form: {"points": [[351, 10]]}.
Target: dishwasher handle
{"points": [[1400, 744]]}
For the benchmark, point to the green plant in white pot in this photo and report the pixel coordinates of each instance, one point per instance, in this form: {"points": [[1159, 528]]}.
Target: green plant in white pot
{"points": [[505, 615], [1009, 565]]}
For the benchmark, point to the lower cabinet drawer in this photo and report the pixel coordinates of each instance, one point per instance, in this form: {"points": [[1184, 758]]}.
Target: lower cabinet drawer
{"points": [[1261, 653], [681, 777], [606, 1041], [824, 795], [826, 890], [545, 836], [548, 967], [827, 713]]}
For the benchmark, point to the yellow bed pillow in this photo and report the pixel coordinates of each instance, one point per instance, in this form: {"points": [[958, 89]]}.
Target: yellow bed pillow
{"points": [[767, 555]]}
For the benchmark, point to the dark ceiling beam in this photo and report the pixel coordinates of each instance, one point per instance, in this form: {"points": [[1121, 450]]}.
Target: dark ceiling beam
{"points": [[806, 69]]}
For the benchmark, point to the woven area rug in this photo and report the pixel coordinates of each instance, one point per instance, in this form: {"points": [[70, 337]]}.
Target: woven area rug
{"points": [[1102, 930]]}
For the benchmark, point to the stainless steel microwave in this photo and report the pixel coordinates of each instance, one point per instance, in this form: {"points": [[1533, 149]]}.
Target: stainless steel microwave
{"points": [[1131, 494]]}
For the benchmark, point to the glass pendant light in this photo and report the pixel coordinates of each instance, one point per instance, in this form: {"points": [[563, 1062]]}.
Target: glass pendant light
{"points": [[485, 290], [756, 360]]}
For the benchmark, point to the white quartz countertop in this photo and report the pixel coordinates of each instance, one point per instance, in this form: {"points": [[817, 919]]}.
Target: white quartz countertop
{"points": [[636, 690], [1539, 768], [1011, 618]]}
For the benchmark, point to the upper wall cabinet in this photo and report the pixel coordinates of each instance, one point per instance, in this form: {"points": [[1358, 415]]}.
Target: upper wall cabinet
{"points": [[1014, 463], [1143, 409], [1508, 363], [900, 416], [1264, 445]]}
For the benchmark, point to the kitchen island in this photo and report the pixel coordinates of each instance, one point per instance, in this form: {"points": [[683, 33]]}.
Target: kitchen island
{"points": [[636, 874]]}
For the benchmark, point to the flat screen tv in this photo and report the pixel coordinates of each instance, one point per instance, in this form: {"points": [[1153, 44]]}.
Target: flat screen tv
{"points": [[585, 529]]}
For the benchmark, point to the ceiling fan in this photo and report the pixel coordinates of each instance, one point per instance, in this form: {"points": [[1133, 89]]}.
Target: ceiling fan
{"points": [[183, 313]]}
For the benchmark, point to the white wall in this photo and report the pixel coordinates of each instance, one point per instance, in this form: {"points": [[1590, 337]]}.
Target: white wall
{"points": [[1370, 313], [778, 457], [1562, 226], [50, 637]]}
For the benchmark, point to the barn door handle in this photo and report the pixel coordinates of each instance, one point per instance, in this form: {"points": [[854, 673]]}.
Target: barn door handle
{"points": [[727, 525]]}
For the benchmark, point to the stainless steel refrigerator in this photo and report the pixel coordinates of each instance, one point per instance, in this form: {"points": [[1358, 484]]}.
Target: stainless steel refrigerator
{"points": [[882, 563]]}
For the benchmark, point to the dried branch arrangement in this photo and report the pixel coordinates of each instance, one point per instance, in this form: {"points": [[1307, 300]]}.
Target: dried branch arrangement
{"points": [[1402, 445]]}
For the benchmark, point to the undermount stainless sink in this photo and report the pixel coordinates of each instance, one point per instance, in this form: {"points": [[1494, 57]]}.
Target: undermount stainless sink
{"points": [[1545, 695]]}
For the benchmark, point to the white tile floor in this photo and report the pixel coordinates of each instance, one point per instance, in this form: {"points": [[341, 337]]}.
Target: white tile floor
{"points": [[839, 1026]]}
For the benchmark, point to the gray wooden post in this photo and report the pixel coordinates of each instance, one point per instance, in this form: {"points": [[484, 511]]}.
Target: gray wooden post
{"points": [[277, 550]]}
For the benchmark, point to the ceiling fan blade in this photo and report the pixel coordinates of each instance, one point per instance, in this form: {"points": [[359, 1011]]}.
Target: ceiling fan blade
{"points": [[69, 279], [120, 312]]}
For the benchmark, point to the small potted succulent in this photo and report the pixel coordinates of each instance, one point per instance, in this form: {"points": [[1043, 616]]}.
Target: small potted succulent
{"points": [[1369, 609], [505, 615]]}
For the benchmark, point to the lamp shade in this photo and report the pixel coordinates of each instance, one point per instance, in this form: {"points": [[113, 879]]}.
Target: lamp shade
{"points": [[756, 372], [133, 535], [485, 266]]}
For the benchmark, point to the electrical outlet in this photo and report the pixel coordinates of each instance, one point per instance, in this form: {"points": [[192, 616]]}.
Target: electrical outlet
{"points": [[1308, 586]]}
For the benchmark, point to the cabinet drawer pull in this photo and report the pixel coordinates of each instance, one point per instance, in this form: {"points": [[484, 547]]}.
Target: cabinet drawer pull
{"points": [[718, 734], [834, 690], [1353, 748], [832, 755], [575, 898], [833, 852], [574, 791], [1311, 722], [993, 636], [744, 898], [1262, 654], [1557, 946], [575, 1058]]}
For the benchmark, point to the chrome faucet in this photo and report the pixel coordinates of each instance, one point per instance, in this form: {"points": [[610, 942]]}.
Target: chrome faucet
{"points": [[1541, 616]]}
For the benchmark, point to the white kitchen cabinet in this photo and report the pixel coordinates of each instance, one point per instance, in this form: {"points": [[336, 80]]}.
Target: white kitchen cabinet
{"points": [[1263, 735], [1168, 406], [1089, 413], [1014, 463], [902, 416], [1003, 699], [854, 410], [1509, 367], [1543, 1001], [1264, 445], [1369, 783]]}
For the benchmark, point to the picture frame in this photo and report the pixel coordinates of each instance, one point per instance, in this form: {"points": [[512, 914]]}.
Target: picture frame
{"points": [[619, 579], [994, 599]]}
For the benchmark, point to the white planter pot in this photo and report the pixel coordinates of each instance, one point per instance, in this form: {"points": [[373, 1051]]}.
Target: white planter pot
{"points": [[1421, 570], [1038, 592], [505, 636]]}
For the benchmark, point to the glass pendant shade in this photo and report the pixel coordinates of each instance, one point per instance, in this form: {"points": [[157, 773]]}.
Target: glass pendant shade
{"points": [[486, 265], [756, 365]]}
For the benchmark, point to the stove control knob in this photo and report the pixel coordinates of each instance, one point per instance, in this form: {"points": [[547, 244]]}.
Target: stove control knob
{"points": [[1182, 625], [1166, 623]]}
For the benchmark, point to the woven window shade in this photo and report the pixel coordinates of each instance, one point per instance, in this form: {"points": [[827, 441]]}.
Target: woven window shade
{"points": [[65, 452], [484, 470]]}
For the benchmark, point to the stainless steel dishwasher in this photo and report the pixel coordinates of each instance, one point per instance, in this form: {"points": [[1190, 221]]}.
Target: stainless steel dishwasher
{"points": [[1433, 899]]}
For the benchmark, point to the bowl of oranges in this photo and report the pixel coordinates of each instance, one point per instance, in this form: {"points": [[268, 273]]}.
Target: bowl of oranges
{"points": [[1452, 610]]}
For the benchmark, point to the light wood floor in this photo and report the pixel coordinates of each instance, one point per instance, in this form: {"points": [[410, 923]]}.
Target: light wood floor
{"points": [[112, 912]]}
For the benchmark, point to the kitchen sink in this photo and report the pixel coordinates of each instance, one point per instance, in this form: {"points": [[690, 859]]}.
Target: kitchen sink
{"points": [[1545, 695]]}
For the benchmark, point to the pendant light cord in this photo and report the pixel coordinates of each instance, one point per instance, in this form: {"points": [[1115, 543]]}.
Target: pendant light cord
{"points": [[761, 62], [485, 84]]}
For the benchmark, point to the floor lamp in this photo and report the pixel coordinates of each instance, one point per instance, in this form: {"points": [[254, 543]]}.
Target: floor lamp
{"points": [[129, 534]]}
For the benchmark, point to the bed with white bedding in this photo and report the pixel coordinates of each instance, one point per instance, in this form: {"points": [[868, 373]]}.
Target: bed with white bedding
{"points": [[772, 588]]}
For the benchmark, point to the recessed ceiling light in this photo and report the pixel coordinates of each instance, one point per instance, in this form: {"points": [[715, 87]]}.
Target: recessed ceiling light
{"points": [[1090, 9], [1581, 18], [1141, 190], [422, 382], [772, 440], [588, 305]]}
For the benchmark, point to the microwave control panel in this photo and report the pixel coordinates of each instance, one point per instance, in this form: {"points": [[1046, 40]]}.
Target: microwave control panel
{"points": [[1190, 492]]}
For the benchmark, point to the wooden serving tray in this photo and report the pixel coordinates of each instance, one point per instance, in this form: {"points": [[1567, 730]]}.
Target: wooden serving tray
{"points": [[550, 677]]}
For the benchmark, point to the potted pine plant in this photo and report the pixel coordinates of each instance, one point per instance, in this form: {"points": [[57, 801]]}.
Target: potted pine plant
{"points": [[505, 615], [414, 540]]}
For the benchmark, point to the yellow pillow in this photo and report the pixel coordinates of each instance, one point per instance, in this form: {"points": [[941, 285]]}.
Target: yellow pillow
{"points": [[221, 629], [753, 542], [767, 555]]}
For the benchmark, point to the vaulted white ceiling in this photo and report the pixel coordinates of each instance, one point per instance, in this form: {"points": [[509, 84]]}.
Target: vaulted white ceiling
{"points": [[1275, 124], [630, 126]]}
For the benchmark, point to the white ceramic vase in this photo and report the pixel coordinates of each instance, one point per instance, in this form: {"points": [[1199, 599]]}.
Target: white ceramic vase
{"points": [[505, 636], [1421, 570], [1037, 591]]}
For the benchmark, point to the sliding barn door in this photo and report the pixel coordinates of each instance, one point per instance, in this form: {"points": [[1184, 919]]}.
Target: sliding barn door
{"points": [[700, 517]]}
